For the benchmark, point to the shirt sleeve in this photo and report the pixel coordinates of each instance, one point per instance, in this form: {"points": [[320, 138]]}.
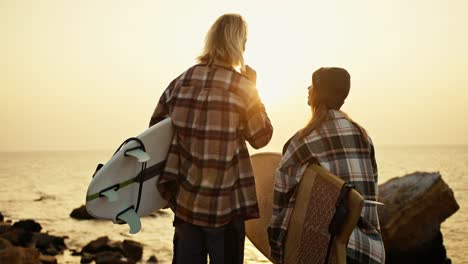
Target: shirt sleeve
{"points": [[161, 111], [257, 128], [292, 167], [374, 163]]}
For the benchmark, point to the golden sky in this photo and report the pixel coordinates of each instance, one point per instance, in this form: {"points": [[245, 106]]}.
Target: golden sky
{"points": [[87, 74]]}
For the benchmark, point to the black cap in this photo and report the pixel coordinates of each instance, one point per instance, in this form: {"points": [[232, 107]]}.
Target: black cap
{"points": [[331, 86]]}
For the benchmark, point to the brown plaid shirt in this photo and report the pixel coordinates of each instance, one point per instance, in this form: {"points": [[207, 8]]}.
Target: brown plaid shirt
{"points": [[338, 147], [208, 178]]}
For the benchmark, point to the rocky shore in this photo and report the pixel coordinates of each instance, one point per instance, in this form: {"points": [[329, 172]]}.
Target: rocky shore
{"points": [[22, 242], [415, 206]]}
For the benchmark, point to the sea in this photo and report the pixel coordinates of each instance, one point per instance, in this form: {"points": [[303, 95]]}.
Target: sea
{"points": [[47, 185]]}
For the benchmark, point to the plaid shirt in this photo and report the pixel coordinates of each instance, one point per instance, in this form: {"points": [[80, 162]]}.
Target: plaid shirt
{"points": [[338, 147], [208, 178]]}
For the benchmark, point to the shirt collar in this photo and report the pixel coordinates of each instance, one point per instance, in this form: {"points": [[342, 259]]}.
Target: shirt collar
{"points": [[335, 114]]}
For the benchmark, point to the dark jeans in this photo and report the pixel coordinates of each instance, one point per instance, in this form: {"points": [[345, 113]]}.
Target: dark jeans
{"points": [[224, 245]]}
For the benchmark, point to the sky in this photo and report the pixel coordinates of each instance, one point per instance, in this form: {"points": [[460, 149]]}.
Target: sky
{"points": [[81, 75]]}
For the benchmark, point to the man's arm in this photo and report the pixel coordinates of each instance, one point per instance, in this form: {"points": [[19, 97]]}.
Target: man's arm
{"points": [[161, 111]]}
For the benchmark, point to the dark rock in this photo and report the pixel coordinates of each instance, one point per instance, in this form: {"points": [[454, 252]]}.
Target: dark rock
{"points": [[47, 259], [28, 225], [52, 251], [5, 227], [107, 257], [48, 244], [429, 252], [132, 250], [102, 244], [18, 237], [1, 217], [81, 213], [116, 246], [19, 255], [152, 260], [43, 197], [4, 243], [97, 245], [86, 258], [75, 252], [103, 250], [415, 207]]}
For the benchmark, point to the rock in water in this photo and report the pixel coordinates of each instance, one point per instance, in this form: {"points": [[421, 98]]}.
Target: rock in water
{"points": [[28, 225], [98, 245], [132, 250], [48, 244], [152, 260], [415, 206], [81, 213]]}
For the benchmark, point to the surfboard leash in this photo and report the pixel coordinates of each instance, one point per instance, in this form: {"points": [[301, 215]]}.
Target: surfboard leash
{"points": [[338, 220], [143, 166]]}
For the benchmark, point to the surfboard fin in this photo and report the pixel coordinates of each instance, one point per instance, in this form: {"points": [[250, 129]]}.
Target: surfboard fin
{"points": [[110, 194], [132, 219], [373, 202], [139, 154]]}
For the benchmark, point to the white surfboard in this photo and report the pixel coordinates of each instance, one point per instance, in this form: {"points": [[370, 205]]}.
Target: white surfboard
{"points": [[124, 189]]}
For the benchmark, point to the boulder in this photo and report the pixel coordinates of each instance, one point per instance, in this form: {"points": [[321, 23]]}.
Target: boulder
{"points": [[18, 237], [415, 206], [95, 246], [28, 225], [103, 250], [19, 255], [102, 244], [132, 250], [48, 244], [81, 213]]}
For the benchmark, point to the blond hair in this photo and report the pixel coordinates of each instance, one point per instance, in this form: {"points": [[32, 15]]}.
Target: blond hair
{"points": [[225, 41]]}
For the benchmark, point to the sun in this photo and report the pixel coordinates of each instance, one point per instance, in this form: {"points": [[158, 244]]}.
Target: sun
{"points": [[271, 91]]}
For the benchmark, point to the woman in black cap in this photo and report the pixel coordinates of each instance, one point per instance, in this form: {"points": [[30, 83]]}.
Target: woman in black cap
{"points": [[340, 145]]}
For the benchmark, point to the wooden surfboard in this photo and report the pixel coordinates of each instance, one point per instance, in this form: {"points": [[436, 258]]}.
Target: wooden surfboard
{"points": [[307, 238]]}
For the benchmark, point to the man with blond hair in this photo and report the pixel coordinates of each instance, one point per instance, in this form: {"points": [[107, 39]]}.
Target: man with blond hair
{"points": [[208, 178]]}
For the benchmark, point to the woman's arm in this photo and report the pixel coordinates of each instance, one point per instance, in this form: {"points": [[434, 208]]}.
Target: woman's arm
{"points": [[293, 165]]}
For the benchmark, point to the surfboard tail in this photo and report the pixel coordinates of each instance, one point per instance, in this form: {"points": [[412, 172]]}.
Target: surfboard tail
{"points": [[130, 217]]}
